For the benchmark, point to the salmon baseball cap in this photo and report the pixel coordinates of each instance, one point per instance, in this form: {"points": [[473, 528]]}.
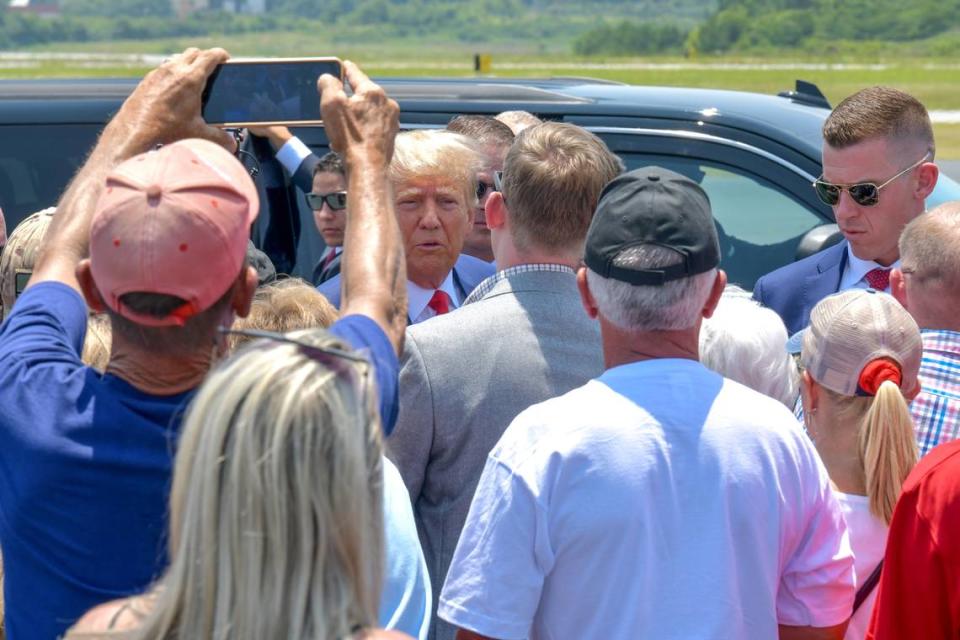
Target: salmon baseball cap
{"points": [[174, 221]]}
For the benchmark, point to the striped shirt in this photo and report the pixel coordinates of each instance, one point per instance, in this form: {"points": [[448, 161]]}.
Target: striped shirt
{"points": [[936, 409]]}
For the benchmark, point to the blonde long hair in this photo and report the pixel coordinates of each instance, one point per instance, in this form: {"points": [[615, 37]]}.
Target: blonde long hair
{"points": [[276, 508], [887, 444]]}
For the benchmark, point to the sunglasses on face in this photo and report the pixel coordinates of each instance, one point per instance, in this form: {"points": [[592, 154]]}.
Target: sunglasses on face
{"points": [[865, 194], [336, 200], [483, 188]]}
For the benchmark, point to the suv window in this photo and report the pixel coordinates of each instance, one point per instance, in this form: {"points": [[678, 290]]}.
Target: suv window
{"points": [[757, 222], [32, 177]]}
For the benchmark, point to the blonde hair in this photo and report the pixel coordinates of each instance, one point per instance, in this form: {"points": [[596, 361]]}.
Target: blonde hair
{"points": [[518, 120], [20, 254], [276, 520], [887, 444], [437, 153], [552, 179], [282, 306], [97, 342]]}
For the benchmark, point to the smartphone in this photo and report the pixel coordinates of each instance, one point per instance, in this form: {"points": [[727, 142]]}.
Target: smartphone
{"points": [[266, 91]]}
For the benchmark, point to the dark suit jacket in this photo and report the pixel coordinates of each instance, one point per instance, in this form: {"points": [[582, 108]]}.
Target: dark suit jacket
{"points": [[792, 291], [303, 176], [468, 272]]}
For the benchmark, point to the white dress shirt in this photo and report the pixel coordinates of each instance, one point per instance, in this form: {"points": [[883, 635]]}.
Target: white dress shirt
{"points": [[418, 298], [292, 153], [856, 270]]}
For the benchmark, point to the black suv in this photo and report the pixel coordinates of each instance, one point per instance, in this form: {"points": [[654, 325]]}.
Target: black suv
{"points": [[755, 155]]}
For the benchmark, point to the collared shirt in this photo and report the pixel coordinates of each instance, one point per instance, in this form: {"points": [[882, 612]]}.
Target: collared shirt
{"points": [[292, 153], [936, 409], [856, 270], [418, 298], [487, 285]]}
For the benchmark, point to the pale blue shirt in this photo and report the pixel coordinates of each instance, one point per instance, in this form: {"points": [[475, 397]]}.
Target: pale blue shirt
{"points": [[418, 298], [857, 269], [407, 599]]}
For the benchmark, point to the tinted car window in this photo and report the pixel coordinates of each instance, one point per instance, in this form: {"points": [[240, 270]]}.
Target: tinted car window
{"points": [[759, 225], [32, 176]]}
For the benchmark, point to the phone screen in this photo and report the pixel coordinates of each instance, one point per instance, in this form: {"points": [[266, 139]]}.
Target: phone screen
{"points": [[266, 91]]}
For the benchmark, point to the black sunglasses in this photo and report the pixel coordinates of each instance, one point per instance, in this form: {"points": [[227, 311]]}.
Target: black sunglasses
{"points": [[336, 200], [484, 188], [865, 194]]}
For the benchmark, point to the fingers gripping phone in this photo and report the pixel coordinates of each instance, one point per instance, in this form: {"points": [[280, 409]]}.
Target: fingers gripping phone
{"points": [[266, 91]]}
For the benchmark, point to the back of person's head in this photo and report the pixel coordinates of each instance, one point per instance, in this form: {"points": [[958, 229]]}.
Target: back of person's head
{"points": [[652, 251], [552, 179], [518, 120], [330, 162], [19, 256], [930, 264], [3, 230], [488, 132], [282, 306], [437, 154], [880, 113], [276, 510], [168, 243], [863, 350], [744, 341]]}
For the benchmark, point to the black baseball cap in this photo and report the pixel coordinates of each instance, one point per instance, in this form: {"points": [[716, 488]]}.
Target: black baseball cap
{"points": [[652, 206]]}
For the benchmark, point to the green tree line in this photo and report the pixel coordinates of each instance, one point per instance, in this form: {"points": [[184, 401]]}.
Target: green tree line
{"points": [[745, 25]]}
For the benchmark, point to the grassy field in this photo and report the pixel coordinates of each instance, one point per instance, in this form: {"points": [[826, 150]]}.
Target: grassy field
{"points": [[933, 81]]}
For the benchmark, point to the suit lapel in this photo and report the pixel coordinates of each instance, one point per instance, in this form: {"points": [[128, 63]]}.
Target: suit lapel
{"points": [[826, 281]]}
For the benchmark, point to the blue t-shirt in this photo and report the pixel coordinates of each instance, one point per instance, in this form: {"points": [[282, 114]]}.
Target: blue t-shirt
{"points": [[86, 462]]}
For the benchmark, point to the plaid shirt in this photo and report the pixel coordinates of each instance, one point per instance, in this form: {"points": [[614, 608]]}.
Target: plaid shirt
{"points": [[487, 285], [936, 409]]}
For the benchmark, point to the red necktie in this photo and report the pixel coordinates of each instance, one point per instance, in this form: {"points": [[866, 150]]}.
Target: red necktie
{"points": [[878, 279], [440, 302], [330, 256]]}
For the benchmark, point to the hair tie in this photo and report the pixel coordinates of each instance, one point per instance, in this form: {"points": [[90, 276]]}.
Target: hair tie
{"points": [[876, 373]]}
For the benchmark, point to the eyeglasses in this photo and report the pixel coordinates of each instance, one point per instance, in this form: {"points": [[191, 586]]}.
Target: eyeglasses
{"points": [[865, 194], [498, 182], [336, 200], [483, 188]]}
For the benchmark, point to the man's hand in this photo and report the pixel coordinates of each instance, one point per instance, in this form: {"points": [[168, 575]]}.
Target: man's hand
{"points": [[164, 107], [364, 124], [362, 129], [278, 135]]}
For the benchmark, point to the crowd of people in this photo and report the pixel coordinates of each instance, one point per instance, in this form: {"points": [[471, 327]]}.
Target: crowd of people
{"points": [[519, 398]]}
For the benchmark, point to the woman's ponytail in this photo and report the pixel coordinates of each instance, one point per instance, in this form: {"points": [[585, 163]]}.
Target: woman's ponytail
{"points": [[888, 448]]}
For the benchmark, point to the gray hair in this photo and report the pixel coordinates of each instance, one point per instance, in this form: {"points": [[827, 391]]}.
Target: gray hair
{"points": [[745, 342], [928, 246], [675, 305]]}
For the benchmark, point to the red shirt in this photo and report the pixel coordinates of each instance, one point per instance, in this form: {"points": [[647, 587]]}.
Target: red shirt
{"points": [[919, 593]]}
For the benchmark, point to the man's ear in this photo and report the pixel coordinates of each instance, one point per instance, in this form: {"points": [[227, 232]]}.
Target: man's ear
{"points": [[89, 288], [716, 291], [810, 392], [243, 293], [586, 296], [927, 175], [496, 211], [898, 287]]}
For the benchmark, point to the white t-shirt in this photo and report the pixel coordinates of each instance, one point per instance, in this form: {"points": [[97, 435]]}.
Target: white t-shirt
{"points": [[659, 501], [868, 539]]}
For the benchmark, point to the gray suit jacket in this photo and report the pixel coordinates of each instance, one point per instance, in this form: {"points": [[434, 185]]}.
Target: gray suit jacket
{"points": [[465, 376]]}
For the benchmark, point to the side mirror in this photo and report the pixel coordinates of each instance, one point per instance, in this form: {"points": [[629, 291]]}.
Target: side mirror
{"points": [[818, 239]]}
